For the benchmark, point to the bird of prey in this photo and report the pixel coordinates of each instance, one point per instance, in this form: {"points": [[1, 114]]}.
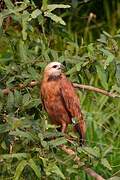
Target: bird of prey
{"points": [[60, 100]]}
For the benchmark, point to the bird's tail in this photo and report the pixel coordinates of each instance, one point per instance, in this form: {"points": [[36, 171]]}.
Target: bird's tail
{"points": [[80, 128]]}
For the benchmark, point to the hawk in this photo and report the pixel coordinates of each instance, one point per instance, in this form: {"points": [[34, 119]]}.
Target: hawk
{"points": [[60, 100]]}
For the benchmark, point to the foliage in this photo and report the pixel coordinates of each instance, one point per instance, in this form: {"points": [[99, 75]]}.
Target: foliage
{"points": [[34, 37]]}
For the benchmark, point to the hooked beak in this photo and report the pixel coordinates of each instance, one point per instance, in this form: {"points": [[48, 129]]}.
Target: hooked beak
{"points": [[61, 67]]}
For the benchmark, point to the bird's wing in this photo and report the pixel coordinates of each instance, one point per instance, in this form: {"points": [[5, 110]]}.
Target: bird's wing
{"points": [[71, 102], [70, 98]]}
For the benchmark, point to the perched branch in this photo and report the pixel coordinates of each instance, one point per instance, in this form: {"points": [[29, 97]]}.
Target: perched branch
{"points": [[98, 90], [88, 170], [80, 86]]}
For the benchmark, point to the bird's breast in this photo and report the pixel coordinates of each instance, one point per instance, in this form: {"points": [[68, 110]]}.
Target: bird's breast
{"points": [[51, 93], [54, 102]]}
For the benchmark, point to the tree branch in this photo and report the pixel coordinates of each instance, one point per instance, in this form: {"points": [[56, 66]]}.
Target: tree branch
{"points": [[88, 170], [20, 86], [98, 90], [80, 86]]}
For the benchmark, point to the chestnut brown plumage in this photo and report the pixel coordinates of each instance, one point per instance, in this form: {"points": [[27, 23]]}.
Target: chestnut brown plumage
{"points": [[60, 100]]}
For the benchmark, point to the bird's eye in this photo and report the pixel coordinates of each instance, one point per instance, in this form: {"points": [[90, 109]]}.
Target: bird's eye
{"points": [[54, 66]]}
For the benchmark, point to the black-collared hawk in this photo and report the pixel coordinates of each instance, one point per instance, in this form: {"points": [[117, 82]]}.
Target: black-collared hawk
{"points": [[60, 99]]}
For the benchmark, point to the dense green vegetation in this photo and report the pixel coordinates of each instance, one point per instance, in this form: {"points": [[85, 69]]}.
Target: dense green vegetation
{"points": [[85, 37]]}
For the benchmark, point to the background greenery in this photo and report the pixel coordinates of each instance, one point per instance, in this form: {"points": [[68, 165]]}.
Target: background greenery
{"points": [[85, 37]]}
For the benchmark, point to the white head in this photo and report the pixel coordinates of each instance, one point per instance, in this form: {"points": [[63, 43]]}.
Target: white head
{"points": [[54, 69]]}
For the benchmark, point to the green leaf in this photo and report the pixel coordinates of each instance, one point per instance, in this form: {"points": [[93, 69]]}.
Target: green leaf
{"points": [[10, 101], [1, 106], [10, 80], [25, 19], [58, 141], [107, 34], [1, 20], [14, 155], [26, 98], [118, 73], [18, 98], [105, 163], [44, 144], [33, 73], [55, 169], [3, 145], [54, 55], [44, 5], [22, 51], [110, 57], [32, 103], [102, 76], [102, 39], [19, 169], [36, 13], [71, 71], [90, 49], [35, 168], [91, 151], [51, 134], [4, 128], [9, 4], [116, 88], [12, 10], [78, 66], [54, 17], [107, 151], [102, 101], [52, 7], [23, 134]]}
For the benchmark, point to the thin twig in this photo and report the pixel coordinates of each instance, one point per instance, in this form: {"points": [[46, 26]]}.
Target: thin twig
{"points": [[6, 91], [20, 86], [88, 170]]}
